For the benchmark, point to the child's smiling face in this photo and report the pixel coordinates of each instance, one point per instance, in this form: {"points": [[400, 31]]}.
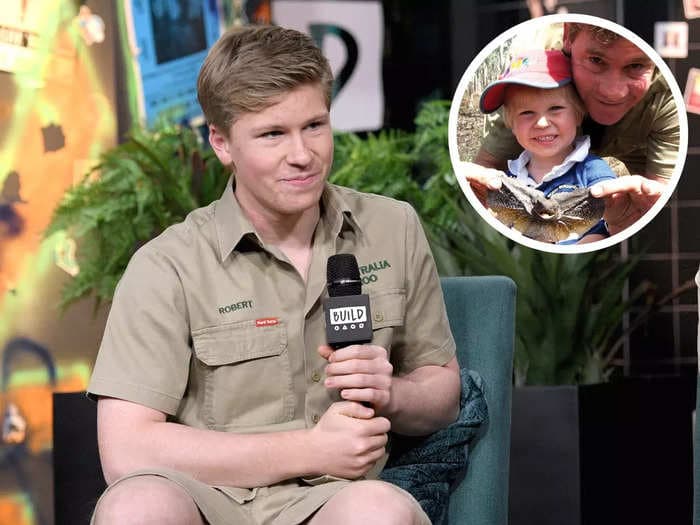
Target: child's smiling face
{"points": [[544, 121]]}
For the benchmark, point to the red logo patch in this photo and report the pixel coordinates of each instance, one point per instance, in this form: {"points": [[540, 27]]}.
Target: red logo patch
{"points": [[267, 321]]}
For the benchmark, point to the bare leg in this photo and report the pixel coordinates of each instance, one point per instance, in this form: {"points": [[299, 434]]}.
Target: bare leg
{"points": [[147, 500], [370, 503]]}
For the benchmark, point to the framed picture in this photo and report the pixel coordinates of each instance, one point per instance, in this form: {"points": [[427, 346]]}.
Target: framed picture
{"points": [[691, 8], [671, 39], [692, 91]]}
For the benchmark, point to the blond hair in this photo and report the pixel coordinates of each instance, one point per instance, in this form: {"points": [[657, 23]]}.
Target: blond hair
{"points": [[568, 90], [250, 67]]}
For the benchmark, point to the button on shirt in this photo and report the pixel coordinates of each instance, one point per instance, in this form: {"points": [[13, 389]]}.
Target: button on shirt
{"points": [[218, 330]]}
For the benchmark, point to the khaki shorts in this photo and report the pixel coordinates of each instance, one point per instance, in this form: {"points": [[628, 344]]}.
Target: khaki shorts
{"points": [[288, 503]]}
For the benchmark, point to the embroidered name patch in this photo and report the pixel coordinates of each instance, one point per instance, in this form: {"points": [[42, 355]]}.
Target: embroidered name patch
{"points": [[235, 306]]}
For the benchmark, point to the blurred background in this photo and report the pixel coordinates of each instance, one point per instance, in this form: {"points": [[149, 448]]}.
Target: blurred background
{"points": [[97, 100]]}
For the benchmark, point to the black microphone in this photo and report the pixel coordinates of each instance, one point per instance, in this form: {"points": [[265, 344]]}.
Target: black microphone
{"points": [[348, 317]]}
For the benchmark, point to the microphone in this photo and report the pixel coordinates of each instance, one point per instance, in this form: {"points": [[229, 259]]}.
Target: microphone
{"points": [[348, 317]]}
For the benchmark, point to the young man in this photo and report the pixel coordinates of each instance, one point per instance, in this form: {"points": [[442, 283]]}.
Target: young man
{"points": [[213, 406], [632, 116]]}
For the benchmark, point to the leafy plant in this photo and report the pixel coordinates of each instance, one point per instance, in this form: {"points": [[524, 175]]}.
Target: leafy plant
{"points": [[137, 189], [378, 164]]}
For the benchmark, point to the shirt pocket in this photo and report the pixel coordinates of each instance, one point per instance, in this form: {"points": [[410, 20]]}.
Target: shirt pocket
{"points": [[245, 373], [388, 311]]}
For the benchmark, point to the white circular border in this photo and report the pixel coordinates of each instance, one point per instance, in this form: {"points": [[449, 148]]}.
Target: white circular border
{"points": [[514, 234]]}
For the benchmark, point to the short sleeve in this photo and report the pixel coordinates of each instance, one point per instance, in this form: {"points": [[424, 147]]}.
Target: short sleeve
{"points": [[145, 354], [597, 170], [426, 338], [664, 140], [498, 140]]}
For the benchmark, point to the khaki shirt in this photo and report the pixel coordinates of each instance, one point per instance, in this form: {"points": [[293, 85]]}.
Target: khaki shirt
{"points": [[218, 330], [646, 139]]}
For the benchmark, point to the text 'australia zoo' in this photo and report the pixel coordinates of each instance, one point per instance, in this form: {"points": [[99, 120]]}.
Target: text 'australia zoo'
{"points": [[367, 271]]}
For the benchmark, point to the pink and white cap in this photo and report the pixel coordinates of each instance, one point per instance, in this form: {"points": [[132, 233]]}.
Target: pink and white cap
{"points": [[546, 69]]}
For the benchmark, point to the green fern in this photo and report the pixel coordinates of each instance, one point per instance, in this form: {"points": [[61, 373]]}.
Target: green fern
{"points": [[137, 189]]}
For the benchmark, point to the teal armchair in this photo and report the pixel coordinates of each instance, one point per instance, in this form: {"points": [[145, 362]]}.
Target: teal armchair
{"points": [[481, 311]]}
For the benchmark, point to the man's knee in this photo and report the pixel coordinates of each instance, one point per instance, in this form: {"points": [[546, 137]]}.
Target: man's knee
{"points": [[144, 500], [391, 503], [370, 502]]}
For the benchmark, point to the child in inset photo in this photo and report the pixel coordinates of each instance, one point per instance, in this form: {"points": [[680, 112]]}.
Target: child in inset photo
{"points": [[543, 110]]}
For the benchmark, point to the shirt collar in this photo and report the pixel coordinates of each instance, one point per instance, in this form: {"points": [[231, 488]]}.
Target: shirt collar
{"points": [[518, 166], [232, 226], [336, 212], [231, 223]]}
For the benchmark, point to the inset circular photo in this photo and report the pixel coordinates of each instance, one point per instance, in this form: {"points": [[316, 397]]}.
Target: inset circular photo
{"points": [[568, 133]]}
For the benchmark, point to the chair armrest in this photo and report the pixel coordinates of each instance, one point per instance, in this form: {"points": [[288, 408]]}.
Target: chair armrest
{"points": [[481, 311]]}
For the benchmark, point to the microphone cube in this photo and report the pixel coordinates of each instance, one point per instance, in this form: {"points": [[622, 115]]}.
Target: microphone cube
{"points": [[348, 320]]}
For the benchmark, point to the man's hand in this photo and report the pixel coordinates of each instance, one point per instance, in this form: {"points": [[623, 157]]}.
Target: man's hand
{"points": [[627, 199], [481, 179], [362, 373], [349, 440]]}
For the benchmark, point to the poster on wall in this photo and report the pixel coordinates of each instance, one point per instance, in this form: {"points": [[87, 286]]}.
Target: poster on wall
{"points": [[57, 114], [351, 35], [169, 40]]}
